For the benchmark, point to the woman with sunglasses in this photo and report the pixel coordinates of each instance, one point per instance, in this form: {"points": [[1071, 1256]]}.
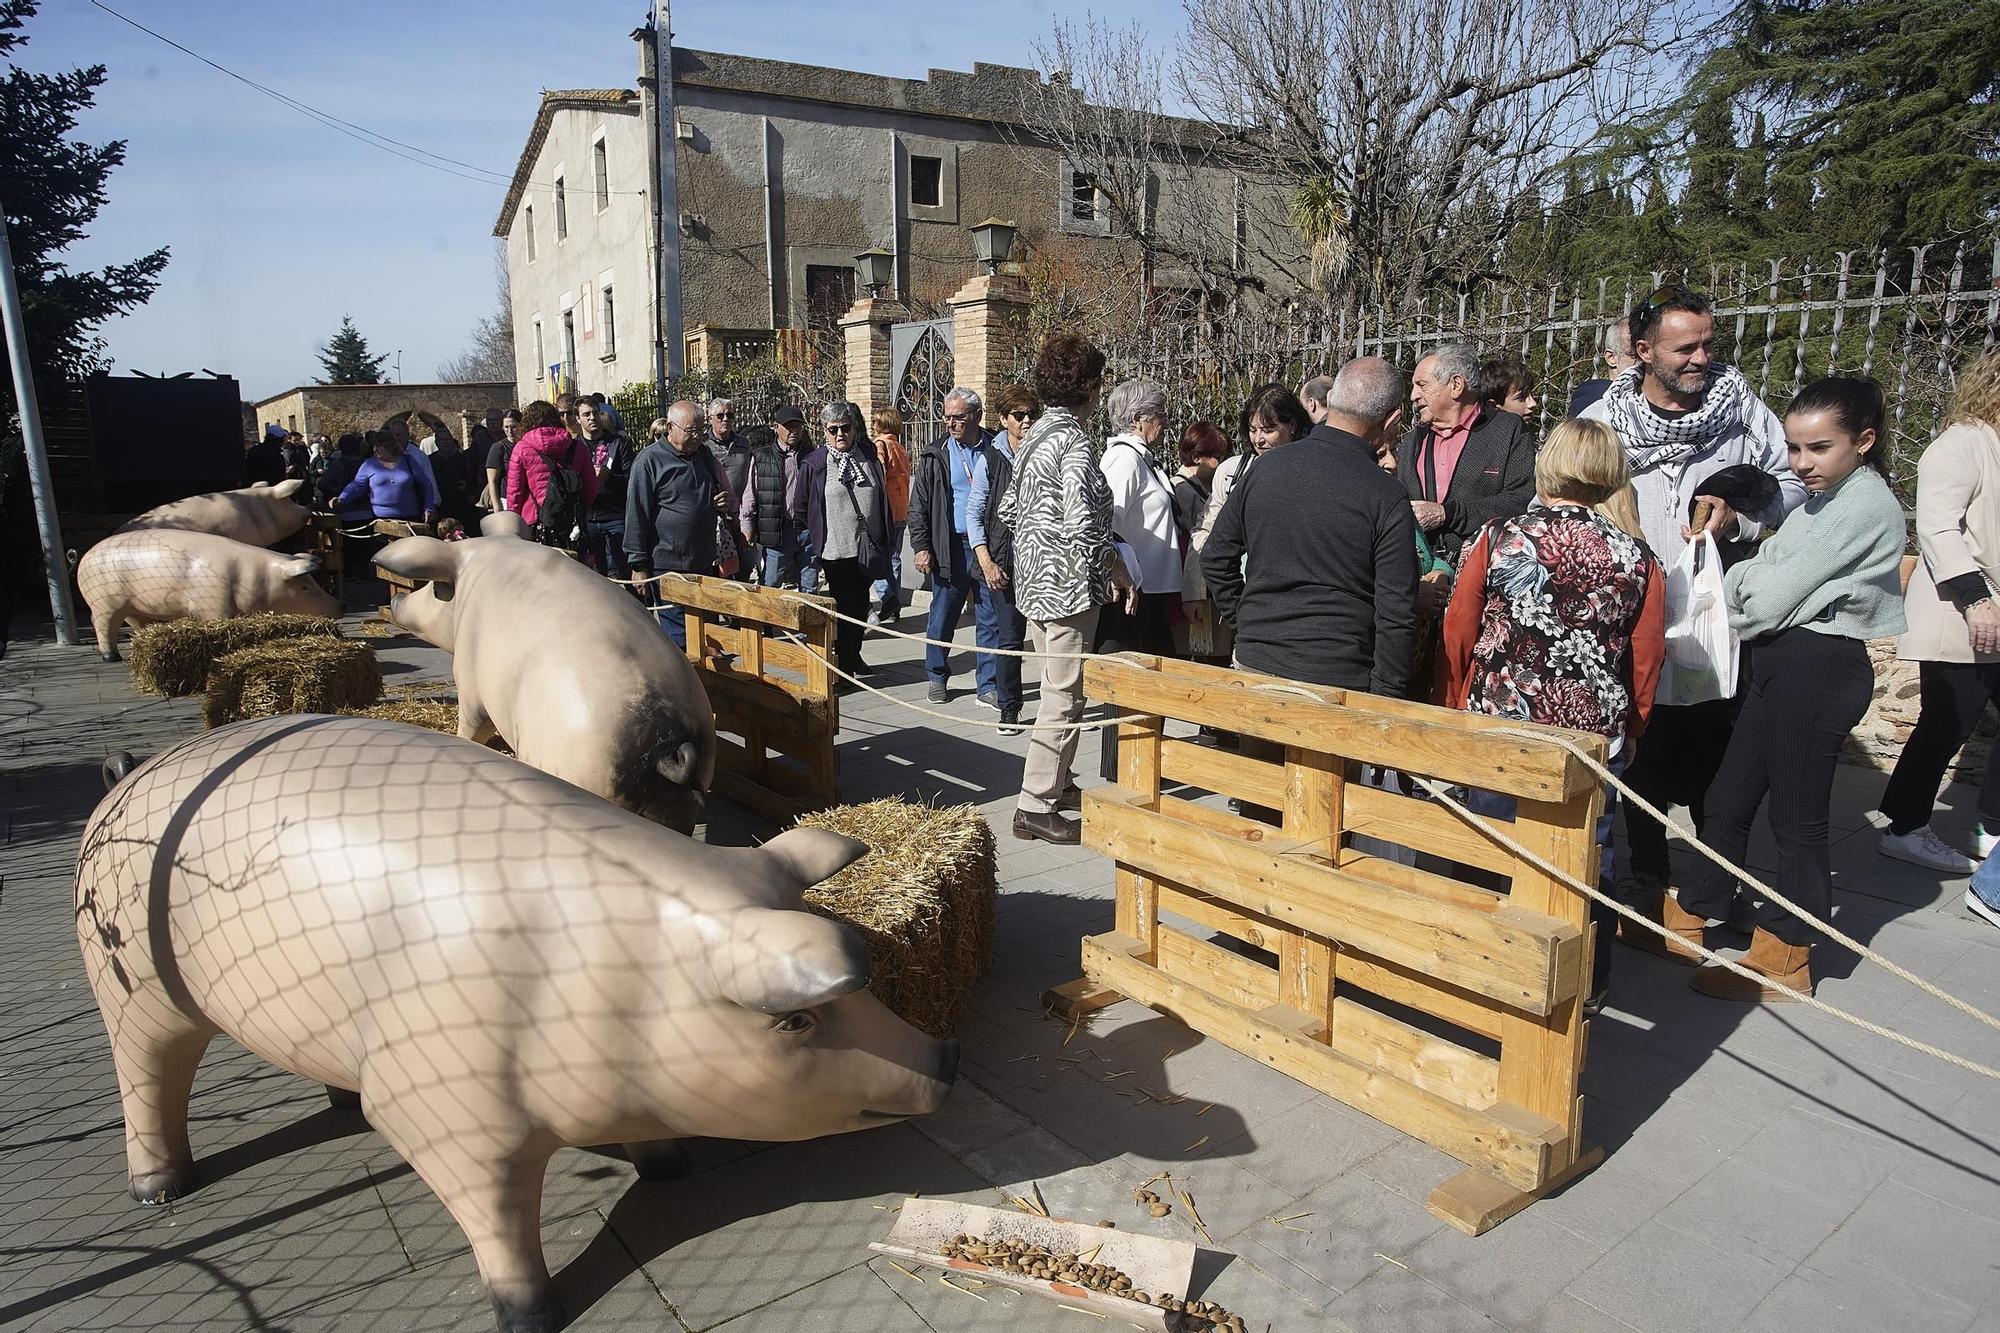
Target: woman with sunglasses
{"points": [[841, 502]]}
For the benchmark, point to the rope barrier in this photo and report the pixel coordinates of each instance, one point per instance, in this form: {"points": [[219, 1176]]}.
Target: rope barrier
{"points": [[1442, 795], [1831, 931]]}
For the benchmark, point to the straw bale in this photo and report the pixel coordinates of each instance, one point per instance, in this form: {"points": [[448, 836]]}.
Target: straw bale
{"points": [[173, 657], [922, 899], [309, 675], [434, 714]]}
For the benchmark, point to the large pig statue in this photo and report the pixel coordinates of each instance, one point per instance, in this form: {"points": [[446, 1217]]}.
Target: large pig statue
{"points": [[155, 574], [259, 514], [568, 668], [501, 963]]}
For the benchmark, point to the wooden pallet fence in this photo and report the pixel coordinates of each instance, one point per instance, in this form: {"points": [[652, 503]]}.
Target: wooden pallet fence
{"points": [[775, 710], [1449, 1010]]}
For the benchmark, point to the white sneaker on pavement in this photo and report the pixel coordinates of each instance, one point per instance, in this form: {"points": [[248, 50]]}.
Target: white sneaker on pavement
{"points": [[1977, 906], [1923, 847], [1983, 842]]}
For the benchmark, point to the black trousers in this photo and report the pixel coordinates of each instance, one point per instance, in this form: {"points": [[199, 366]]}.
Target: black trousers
{"points": [[1952, 697], [1675, 762], [1807, 691], [1144, 630], [848, 582]]}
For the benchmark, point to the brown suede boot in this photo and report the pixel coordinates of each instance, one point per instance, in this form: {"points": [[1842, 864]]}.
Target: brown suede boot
{"points": [[1789, 964], [1686, 930]]}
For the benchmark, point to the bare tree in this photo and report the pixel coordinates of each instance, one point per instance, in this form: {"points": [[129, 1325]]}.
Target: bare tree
{"points": [[1384, 146], [490, 357]]}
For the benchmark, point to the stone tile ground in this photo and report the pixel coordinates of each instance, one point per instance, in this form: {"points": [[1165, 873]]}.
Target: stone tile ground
{"points": [[1767, 1170]]}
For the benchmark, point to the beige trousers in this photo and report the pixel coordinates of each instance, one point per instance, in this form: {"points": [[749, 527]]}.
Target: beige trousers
{"points": [[1052, 754]]}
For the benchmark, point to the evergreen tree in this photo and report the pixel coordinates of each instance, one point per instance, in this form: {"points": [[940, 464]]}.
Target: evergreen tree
{"points": [[344, 358], [1753, 172], [1894, 105], [1711, 161], [53, 189]]}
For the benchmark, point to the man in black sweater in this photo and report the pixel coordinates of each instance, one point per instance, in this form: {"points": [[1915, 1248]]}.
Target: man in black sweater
{"points": [[1314, 557]]}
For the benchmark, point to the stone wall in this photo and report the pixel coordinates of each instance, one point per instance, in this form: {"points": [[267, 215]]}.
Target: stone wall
{"points": [[335, 409]]}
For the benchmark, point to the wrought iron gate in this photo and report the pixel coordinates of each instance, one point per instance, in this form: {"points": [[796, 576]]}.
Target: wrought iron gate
{"points": [[921, 369]]}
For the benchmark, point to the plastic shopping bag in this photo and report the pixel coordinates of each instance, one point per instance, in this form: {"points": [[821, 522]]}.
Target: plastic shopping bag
{"points": [[1701, 647]]}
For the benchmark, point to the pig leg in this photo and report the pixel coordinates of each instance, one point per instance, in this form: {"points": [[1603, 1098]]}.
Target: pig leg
{"points": [[494, 1193], [664, 1159], [107, 621], [155, 1078], [473, 723]]}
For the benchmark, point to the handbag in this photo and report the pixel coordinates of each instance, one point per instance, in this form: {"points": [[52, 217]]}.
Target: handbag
{"points": [[867, 550]]}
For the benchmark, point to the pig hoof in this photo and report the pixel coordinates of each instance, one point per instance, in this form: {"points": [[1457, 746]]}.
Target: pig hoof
{"points": [[543, 1314], [111, 656], [341, 1099], [664, 1160], [160, 1187]]}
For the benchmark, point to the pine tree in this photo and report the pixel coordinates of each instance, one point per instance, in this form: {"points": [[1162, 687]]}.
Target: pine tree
{"points": [[1711, 162], [344, 357], [53, 189], [1753, 172]]}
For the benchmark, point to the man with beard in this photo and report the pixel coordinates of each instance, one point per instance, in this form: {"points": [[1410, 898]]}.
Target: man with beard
{"points": [[1682, 416]]}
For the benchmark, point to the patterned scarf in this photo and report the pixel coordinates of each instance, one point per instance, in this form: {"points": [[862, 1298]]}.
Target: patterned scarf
{"points": [[851, 474], [1652, 440]]}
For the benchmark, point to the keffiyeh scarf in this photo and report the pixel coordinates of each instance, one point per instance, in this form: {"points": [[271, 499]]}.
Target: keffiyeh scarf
{"points": [[1652, 440]]}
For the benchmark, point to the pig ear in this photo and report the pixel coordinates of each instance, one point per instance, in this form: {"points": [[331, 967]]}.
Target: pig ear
{"points": [[502, 525], [423, 558], [299, 565], [778, 962], [809, 855], [285, 490]]}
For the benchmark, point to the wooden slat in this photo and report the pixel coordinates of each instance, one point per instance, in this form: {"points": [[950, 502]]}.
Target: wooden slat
{"points": [[1508, 955], [1136, 898], [1315, 793], [746, 601], [1413, 1055], [1441, 743], [1220, 771], [1425, 994], [1255, 931], [1422, 827], [1231, 977], [734, 695], [756, 797], [1395, 873], [1513, 1143]]}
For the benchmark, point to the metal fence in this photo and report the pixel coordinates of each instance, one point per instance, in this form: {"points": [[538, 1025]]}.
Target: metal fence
{"points": [[1907, 317]]}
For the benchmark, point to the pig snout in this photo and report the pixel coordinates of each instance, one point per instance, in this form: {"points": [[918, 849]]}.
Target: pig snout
{"points": [[302, 596]]}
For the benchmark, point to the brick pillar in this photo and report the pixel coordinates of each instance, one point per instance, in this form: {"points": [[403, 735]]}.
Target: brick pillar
{"points": [[465, 420], [989, 320], [865, 331]]}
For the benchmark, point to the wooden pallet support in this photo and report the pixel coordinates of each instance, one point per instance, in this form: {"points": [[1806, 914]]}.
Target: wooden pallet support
{"points": [[1397, 982]]}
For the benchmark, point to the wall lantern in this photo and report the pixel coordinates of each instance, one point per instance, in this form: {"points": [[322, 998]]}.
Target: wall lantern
{"points": [[877, 269], [992, 242]]}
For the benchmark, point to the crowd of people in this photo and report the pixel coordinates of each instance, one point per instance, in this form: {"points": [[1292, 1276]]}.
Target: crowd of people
{"points": [[1409, 535]]}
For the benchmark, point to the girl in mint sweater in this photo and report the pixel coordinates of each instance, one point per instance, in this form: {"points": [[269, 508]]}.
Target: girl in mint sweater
{"points": [[1826, 582]]}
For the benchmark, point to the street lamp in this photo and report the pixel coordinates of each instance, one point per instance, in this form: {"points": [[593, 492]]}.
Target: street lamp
{"points": [[877, 269], [992, 242]]}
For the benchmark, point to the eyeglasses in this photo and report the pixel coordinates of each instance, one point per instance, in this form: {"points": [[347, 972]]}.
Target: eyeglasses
{"points": [[1665, 296], [720, 416], [840, 430], [958, 416], [1020, 414]]}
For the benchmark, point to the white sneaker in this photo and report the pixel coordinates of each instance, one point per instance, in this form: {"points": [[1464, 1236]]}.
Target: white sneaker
{"points": [[1977, 906], [1923, 847], [1983, 842]]}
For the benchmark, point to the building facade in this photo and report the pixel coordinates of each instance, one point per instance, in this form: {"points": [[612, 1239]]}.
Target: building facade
{"points": [[785, 173]]}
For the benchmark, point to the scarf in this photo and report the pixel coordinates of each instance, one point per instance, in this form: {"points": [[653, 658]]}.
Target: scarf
{"points": [[1652, 440]]}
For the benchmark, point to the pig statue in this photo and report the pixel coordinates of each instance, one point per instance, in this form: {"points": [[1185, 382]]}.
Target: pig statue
{"points": [[568, 668], [259, 514], [155, 574], [500, 963]]}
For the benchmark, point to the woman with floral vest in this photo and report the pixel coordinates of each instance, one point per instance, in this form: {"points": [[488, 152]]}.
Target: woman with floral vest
{"points": [[1559, 617]]}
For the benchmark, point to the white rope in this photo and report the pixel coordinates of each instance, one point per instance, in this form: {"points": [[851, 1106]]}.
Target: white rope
{"points": [[1438, 791], [1496, 834], [1772, 895], [1098, 725]]}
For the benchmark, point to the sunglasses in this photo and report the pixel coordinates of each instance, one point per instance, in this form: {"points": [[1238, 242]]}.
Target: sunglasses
{"points": [[1665, 296], [1020, 414], [720, 416], [840, 430]]}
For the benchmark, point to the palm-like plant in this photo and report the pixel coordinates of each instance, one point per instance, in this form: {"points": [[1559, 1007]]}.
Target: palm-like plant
{"points": [[1320, 213]]}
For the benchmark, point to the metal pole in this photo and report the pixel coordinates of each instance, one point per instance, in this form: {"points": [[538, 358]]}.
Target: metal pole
{"points": [[670, 194], [54, 563]]}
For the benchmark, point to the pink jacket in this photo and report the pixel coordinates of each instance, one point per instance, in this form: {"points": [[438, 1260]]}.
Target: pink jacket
{"points": [[528, 469]]}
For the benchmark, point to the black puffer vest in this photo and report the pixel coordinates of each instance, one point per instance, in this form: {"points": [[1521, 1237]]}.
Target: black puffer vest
{"points": [[774, 510]]}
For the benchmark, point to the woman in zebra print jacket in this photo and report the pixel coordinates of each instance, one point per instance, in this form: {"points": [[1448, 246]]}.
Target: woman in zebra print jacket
{"points": [[1058, 507]]}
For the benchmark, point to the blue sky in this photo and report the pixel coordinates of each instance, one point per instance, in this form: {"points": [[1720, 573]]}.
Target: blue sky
{"points": [[279, 227]]}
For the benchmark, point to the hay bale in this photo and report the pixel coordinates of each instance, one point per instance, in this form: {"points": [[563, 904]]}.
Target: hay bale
{"points": [[922, 899], [309, 675], [173, 658], [434, 714]]}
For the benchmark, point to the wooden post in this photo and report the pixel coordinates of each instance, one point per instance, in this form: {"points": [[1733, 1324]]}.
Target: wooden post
{"points": [[1314, 788]]}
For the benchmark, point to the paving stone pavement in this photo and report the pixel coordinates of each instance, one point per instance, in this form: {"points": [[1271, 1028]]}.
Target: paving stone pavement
{"points": [[1767, 1170]]}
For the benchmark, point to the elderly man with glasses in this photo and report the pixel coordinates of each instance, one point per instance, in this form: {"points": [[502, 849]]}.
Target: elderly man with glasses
{"points": [[940, 517], [732, 455]]}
